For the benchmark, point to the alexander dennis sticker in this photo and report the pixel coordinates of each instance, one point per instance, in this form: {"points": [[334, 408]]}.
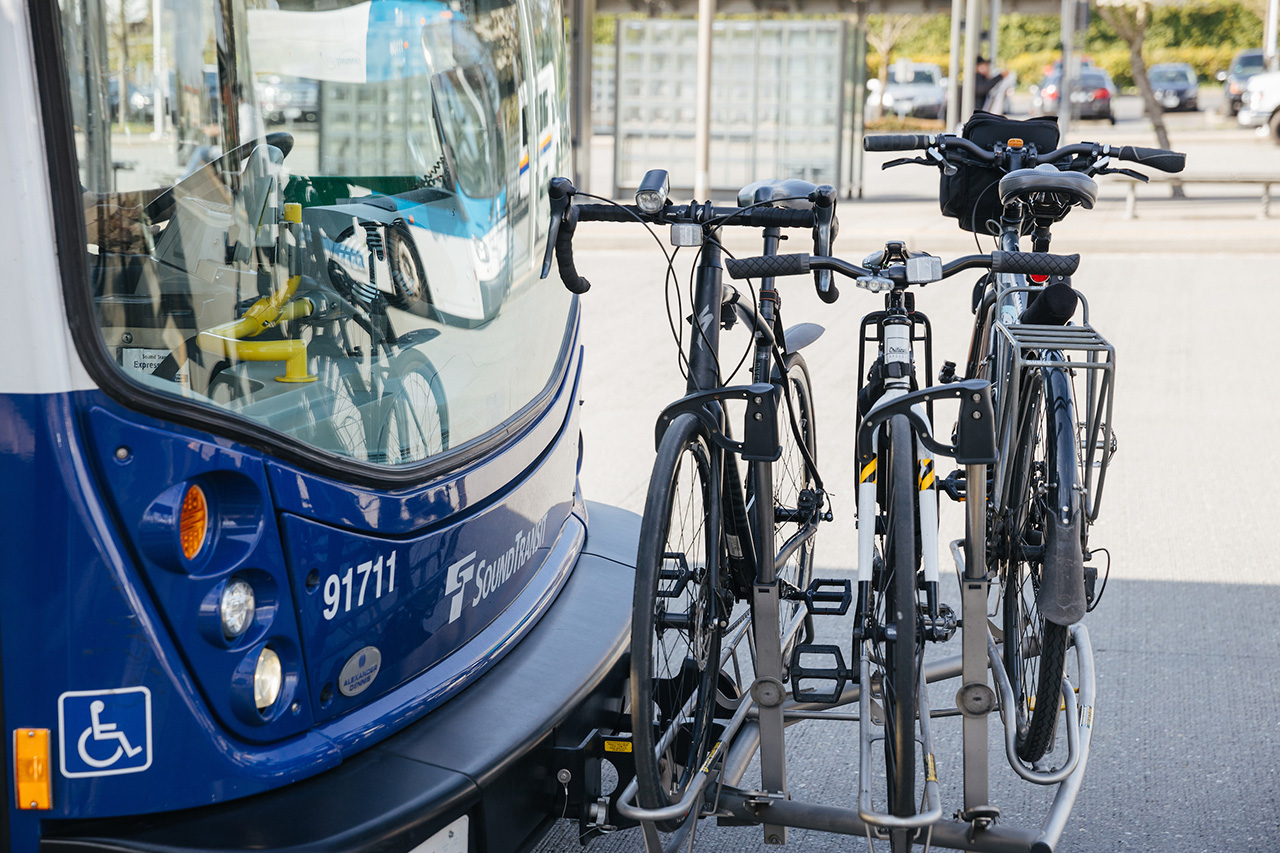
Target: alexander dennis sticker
{"points": [[360, 671]]}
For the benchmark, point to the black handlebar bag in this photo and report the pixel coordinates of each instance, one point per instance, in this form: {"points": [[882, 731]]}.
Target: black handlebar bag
{"points": [[972, 194]]}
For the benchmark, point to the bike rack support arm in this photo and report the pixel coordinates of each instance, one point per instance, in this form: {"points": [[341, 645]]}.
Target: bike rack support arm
{"points": [[999, 838], [975, 436], [759, 436]]}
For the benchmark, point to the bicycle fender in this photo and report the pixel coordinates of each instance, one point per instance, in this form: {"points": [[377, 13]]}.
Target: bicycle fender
{"points": [[801, 335], [1062, 598]]}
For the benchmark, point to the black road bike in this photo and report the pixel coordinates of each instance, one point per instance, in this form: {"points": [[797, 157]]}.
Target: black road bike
{"points": [[724, 589]]}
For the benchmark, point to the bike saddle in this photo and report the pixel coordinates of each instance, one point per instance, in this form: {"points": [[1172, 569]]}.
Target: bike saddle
{"points": [[773, 190], [1070, 187]]}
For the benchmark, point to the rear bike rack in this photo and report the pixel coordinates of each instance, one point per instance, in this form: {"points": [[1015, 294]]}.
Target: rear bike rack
{"points": [[1094, 436]]}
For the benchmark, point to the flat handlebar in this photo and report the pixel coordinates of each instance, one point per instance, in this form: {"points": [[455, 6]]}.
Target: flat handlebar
{"points": [[1155, 158], [1028, 263]]}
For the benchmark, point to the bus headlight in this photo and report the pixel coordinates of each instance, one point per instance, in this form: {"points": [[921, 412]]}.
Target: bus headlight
{"points": [[237, 608], [268, 677]]}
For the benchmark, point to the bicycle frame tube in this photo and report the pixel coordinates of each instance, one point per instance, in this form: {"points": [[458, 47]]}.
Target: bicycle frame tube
{"points": [[704, 346]]}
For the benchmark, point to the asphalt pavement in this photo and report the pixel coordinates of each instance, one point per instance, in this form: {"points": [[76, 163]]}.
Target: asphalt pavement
{"points": [[1186, 638]]}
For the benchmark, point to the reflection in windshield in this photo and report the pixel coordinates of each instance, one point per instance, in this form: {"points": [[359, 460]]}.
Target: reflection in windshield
{"points": [[330, 234]]}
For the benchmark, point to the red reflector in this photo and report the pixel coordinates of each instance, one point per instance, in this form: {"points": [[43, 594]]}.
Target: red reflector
{"points": [[1038, 279], [1101, 94]]}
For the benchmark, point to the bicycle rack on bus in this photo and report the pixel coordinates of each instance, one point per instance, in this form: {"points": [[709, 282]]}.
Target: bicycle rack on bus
{"points": [[712, 791]]}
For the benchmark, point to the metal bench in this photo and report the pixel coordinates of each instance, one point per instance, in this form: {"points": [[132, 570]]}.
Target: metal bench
{"points": [[1131, 189]]}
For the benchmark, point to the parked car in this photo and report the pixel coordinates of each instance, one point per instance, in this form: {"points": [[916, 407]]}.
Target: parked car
{"points": [[1246, 64], [1175, 85], [1261, 106], [1090, 98], [288, 98], [914, 89]]}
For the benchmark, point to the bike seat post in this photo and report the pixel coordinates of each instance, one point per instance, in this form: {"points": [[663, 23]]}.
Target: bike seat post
{"points": [[769, 304]]}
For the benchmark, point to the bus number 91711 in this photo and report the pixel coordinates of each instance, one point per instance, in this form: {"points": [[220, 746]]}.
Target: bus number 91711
{"points": [[343, 591]]}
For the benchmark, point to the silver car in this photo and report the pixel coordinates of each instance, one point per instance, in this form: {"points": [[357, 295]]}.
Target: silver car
{"points": [[914, 89]]}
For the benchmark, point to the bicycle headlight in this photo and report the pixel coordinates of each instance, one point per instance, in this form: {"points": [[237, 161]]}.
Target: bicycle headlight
{"points": [[652, 193], [268, 677], [237, 608]]}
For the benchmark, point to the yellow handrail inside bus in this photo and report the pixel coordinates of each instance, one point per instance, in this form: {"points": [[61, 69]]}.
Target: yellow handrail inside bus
{"points": [[227, 339]]}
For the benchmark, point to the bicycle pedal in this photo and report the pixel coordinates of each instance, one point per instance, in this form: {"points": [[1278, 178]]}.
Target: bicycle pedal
{"points": [[837, 673], [954, 485], [828, 596]]}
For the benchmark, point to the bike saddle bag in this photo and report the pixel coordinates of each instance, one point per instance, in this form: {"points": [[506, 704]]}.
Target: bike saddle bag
{"points": [[972, 194]]}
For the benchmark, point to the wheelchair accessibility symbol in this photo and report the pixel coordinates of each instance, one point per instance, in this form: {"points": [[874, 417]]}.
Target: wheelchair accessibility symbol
{"points": [[105, 732]]}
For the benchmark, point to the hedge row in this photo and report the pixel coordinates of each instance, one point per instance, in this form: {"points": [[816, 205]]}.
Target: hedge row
{"points": [[1030, 67]]}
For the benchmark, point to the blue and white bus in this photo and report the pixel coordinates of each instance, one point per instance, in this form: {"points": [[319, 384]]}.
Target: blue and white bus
{"points": [[294, 552]]}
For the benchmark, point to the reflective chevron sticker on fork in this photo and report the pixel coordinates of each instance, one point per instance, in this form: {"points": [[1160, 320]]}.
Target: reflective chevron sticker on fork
{"points": [[868, 472], [926, 474]]}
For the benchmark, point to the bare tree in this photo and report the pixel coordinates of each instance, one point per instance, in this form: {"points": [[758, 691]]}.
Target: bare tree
{"points": [[883, 39], [1130, 20]]}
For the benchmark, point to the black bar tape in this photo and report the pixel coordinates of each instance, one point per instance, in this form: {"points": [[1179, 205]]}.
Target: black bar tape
{"points": [[1034, 263], [895, 142], [768, 266], [605, 213], [1156, 158], [564, 260]]}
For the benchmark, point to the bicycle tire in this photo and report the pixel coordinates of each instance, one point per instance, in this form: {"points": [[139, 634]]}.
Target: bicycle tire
{"points": [[415, 416], [1034, 649], [901, 654], [791, 477], [335, 409], [675, 631]]}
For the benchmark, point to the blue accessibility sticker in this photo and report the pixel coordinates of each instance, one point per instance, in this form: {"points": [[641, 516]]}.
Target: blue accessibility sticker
{"points": [[105, 732]]}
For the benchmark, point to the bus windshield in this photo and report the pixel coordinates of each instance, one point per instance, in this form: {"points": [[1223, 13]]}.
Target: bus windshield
{"points": [[316, 216]]}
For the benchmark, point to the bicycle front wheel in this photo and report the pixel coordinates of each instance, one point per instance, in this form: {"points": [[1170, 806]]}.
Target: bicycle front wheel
{"points": [[1042, 481], [675, 630], [899, 620]]}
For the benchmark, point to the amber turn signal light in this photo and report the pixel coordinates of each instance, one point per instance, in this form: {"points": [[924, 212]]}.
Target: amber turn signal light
{"points": [[31, 768], [193, 521]]}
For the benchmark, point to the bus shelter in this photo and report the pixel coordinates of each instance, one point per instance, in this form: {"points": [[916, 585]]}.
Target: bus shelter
{"points": [[965, 48]]}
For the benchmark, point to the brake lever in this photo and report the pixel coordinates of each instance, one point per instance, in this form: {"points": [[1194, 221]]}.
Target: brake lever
{"points": [[560, 191], [1128, 173], [902, 161], [825, 229]]}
